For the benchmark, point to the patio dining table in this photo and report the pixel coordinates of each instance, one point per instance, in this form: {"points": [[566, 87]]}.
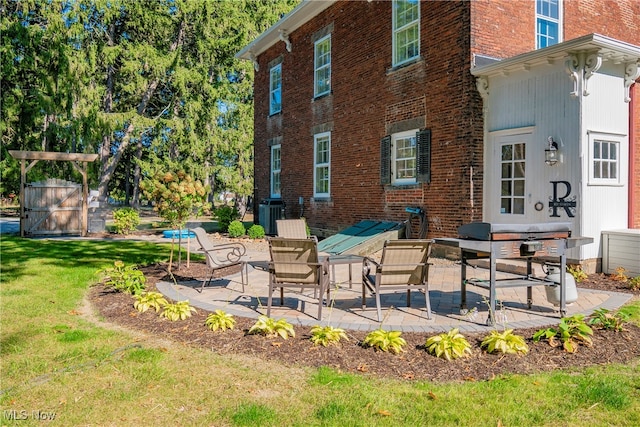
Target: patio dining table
{"points": [[342, 259]]}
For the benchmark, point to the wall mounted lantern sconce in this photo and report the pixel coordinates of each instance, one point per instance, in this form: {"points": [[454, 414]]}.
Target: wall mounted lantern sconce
{"points": [[551, 154]]}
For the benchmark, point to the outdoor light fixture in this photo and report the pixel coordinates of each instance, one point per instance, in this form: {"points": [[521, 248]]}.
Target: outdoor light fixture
{"points": [[551, 154]]}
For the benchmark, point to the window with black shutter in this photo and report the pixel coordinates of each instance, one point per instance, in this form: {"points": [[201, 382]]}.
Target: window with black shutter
{"points": [[423, 163], [390, 160], [385, 160]]}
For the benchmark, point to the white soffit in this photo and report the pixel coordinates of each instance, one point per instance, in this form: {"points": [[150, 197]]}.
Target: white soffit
{"points": [[299, 16], [610, 50]]}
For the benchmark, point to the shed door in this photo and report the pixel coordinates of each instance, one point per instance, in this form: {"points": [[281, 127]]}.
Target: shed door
{"points": [[53, 207]]}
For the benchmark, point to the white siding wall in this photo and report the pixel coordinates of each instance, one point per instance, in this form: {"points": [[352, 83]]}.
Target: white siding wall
{"points": [[606, 116], [538, 103]]}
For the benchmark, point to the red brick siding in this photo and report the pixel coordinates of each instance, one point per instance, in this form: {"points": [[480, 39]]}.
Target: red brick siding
{"points": [[368, 96]]}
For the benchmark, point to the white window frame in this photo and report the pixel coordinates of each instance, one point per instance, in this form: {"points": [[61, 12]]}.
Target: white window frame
{"points": [[322, 65], [513, 180], [395, 158], [275, 92], [596, 159], [321, 165], [544, 16], [400, 30], [275, 168]]}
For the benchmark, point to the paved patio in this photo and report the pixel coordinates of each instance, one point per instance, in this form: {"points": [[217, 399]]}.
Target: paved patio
{"points": [[345, 308]]}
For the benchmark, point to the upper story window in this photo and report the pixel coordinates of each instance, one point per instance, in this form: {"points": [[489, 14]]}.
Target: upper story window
{"points": [[548, 23], [406, 30], [275, 170], [322, 164], [275, 89], [322, 66]]}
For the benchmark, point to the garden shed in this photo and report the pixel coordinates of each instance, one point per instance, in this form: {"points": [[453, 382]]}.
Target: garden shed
{"points": [[53, 206]]}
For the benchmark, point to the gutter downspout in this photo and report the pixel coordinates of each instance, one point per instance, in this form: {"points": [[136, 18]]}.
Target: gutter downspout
{"points": [[632, 157]]}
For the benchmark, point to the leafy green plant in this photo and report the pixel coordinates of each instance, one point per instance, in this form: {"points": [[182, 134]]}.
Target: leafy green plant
{"points": [[256, 231], [571, 332], [505, 342], [224, 215], [236, 229], [385, 341], [576, 271], [124, 278], [219, 320], [604, 319], [634, 283], [147, 300], [178, 311], [270, 327], [450, 345], [125, 220], [325, 335]]}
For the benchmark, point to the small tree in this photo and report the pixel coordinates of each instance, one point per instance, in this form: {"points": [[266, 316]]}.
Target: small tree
{"points": [[176, 196]]}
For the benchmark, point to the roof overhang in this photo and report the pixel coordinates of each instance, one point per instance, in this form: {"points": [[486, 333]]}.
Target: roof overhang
{"points": [[299, 16], [609, 49]]}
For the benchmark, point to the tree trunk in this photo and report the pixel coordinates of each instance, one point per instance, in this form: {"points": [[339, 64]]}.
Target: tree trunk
{"points": [[136, 176]]}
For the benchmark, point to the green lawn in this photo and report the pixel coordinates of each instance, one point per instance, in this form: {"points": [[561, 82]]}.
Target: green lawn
{"points": [[55, 361]]}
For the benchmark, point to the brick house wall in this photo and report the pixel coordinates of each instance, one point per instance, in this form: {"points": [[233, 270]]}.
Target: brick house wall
{"points": [[369, 99]]}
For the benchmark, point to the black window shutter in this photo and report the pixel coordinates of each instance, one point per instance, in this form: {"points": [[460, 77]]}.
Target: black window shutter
{"points": [[423, 164], [385, 160]]}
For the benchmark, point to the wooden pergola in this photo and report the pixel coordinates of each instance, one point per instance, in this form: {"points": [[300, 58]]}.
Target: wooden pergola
{"points": [[79, 162]]}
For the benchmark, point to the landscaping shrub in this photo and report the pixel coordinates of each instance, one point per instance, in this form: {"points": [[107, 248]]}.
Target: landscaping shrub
{"points": [[126, 220], [256, 231], [236, 229], [224, 215]]}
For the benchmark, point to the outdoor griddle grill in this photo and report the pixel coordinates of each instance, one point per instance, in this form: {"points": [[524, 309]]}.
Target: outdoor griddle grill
{"points": [[482, 240]]}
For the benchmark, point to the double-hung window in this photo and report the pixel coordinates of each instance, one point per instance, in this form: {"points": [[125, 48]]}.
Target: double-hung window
{"points": [[275, 89], [275, 170], [548, 23], [405, 157], [322, 66], [322, 164], [406, 30]]}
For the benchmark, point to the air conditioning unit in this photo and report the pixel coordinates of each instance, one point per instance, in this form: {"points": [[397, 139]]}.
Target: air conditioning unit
{"points": [[269, 211]]}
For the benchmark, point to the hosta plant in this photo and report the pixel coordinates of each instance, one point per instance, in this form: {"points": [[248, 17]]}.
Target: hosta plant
{"points": [[571, 332], [577, 272], [604, 319], [505, 342], [219, 320], [124, 278], [178, 311], [147, 300], [325, 335], [450, 345], [270, 327], [385, 341]]}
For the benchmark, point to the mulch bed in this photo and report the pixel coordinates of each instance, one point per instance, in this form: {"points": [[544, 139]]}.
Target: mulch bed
{"points": [[350, 356]]}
